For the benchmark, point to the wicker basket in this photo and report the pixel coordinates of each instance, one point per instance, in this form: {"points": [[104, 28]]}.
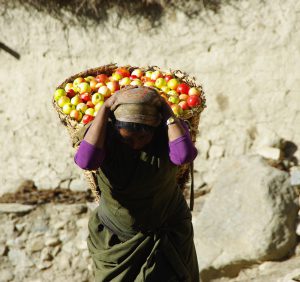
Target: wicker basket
{"points": [[192, 117]]}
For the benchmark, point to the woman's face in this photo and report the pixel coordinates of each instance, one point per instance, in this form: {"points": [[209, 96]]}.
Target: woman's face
{"points": [[135, 139]]}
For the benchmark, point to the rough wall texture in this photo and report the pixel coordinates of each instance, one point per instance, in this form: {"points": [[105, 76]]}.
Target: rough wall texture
{"points": [[246, 56]]}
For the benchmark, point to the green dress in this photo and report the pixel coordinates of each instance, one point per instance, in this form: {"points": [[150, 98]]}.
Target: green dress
{"points": [[142, 229]]}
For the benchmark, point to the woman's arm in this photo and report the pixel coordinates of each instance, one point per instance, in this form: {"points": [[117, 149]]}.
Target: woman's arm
{"points": [[90, 154], [182, 149]]}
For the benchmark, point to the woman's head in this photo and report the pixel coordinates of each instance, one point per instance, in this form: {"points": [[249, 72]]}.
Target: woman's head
{"points": [[135, 135], [137, 114]]}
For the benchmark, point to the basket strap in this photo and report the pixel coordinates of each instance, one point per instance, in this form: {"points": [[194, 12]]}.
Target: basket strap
{"points": [[192, 186]]}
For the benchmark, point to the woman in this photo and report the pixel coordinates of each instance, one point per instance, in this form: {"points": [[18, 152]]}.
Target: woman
{"points": [[141, 230]]}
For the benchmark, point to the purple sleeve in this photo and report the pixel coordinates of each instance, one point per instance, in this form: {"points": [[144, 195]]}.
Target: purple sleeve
{"points": [[88, 156], [182, 149]]}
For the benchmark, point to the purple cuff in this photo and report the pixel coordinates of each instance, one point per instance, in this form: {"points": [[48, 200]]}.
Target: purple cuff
{"points": [[182, 149], [88, 156]]}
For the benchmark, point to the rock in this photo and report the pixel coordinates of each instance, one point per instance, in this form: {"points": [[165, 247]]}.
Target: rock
{"points": [[269, 153], [35, 244], [78, 185], [19, 258], [55, 251], [295, 176], [6, 275], [46, 254], [248, 217], [21, 226], [63, 261], [216, 152], [16, 208], [3, 249], [52, 242], [44, 265]]}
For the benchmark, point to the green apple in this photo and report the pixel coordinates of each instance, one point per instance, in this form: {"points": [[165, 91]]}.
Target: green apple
{"points": [[138, 73], [116, 76], [173, 83], [76, 100], [96, 98], [177, 110], [84, 87], [174, 99], [166, 89], [68, 86], [67, 108], [194, 91], [183, 97], [81, 107], [89, 111], [59, 93], [105, 91], [149, 84], [63, 100], [125, 81], [173, 93], [155, 75], [137, 82], [160, 82], [148, 74], [98, 106], [89, 78]]}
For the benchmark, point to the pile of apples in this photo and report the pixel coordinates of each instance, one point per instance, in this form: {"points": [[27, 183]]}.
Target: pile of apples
{"points": [[82, 98]]}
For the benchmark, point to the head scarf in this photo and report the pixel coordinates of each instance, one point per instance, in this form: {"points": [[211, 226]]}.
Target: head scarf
{"points": [[138, 105]]}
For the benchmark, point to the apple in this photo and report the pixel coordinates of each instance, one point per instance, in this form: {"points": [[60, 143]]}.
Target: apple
{"points": [[99, 84], [75, 114], [174, 99], [85, 97], [68, 86], [103, 78], [123, 72], [59, 93], [116, 76], [193, 101], [89, 111], [125, 81], [90, 104], [76, 100], [77, 81], [105, 91], [67, 108], [113, 86], [137, 82], [194, 91], [173, 83], [184, 105], [183, 88], [84, 87], [160, 82], [133, 77], [71, 93], [97, 97], [166, 89], [183, 97], [94, 84], [177, 110], [63, 100], [95, 113], [149, 84], [87, 118], [156, 74], [81, 107], [148, 74], [168, 77], [173, 93], [138, 73], [89, 78], [98, 106]]}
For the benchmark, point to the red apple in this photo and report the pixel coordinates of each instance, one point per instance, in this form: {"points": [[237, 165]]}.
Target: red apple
{"points": [[71, 93], [132, 77], [193, 101], [85, 97], [184, 105], [94, 84], [90, 104], [183, 88], [123, 72], [103, 78], [87, 118], [168, 77], [68, 86]]}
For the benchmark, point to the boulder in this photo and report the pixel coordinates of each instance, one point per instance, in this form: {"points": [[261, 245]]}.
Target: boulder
{"points": [[250, 216]]}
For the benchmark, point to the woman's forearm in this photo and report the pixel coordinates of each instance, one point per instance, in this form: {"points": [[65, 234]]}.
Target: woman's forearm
{"points": [[97, 131]]}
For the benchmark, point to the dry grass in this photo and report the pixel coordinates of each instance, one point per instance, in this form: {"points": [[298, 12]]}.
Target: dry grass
{"points": [[99, 10]]}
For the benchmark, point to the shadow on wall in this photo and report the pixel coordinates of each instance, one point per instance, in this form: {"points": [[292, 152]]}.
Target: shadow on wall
{"points": [[99, 10]]}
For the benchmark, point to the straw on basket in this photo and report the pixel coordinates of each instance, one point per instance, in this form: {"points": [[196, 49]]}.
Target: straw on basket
{"points": [[192, 117]]}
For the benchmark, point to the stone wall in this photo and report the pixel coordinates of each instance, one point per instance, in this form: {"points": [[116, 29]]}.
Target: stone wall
{"points": [[246, 57]]}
